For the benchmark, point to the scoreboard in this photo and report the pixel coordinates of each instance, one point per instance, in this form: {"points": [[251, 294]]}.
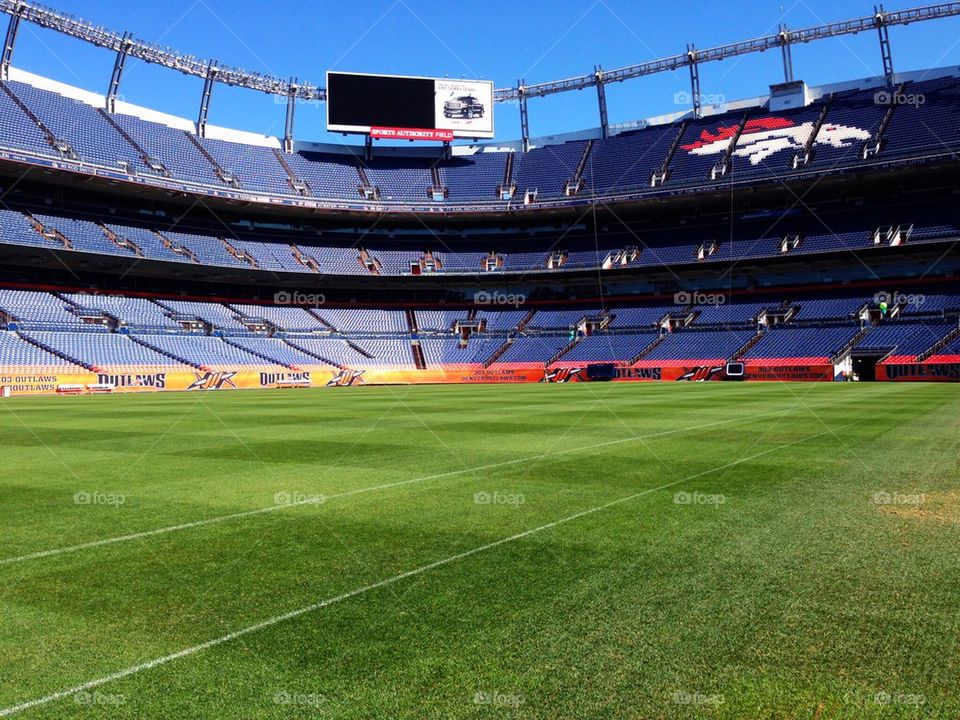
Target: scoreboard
{"points": [[409, 108]]}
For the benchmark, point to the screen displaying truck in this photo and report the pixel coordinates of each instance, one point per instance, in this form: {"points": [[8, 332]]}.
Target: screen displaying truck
{"points": [[414, 108]]}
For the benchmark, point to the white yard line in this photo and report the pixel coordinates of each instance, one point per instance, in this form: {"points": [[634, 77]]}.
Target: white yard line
{"points": [[386, 486], [194, 649]]}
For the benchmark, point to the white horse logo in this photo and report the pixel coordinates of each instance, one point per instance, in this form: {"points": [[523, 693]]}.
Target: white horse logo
{"points": [[766, 136]]}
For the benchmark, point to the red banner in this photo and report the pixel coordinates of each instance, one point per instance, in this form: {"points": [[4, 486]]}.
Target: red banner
{"points": [[391, 133], [919, 372]]}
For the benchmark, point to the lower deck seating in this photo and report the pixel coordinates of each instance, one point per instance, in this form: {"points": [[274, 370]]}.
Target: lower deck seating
{"points": [[92, 331], [807, 344], [608, 348], [950, 353], [17, 355], [99, 350], [450, 351], [700, 345], [534, 349], [898, 339]]}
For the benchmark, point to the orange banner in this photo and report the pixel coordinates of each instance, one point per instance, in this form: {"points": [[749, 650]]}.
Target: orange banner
{"points": [[157, 379], [467, 375]]}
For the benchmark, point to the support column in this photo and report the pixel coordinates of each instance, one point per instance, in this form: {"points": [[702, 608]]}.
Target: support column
{"points": [[694, 80], [118, 65], [787, 54], [288, 125], [205, 100], [524, 118], [602, 102], [10, 41], [883, 30]]}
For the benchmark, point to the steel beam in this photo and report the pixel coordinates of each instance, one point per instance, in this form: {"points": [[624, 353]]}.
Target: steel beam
{"points": [[208, 82], [694, 80], [883, 30], [757, 45], [288, 124], [602, 102], [524, 117], [12, 27], [189, 65], [787, 54], [117, 75]]}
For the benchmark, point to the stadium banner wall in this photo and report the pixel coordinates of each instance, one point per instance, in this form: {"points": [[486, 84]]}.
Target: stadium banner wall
{"points": [[160, 379], [27, 382], [919, 372]]}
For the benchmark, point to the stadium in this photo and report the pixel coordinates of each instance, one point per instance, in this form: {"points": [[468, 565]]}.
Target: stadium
{"points": [[651, 419]]}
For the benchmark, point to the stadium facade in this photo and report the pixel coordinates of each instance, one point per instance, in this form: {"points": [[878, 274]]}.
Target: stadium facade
{"points": [[810, 234]]}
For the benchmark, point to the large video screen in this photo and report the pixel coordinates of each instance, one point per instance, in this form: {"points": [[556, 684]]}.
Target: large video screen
{"points": [[409, 108]]}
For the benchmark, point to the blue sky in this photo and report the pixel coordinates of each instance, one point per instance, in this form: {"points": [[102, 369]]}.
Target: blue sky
{"points": [[499, 40]]}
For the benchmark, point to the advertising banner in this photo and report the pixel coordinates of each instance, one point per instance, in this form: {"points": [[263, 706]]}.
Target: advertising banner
{"points": [[467, 375], [156, 379], [701, 373], [381, 133], [464, 106], [789, 373], [919, 372], [39, 383]]}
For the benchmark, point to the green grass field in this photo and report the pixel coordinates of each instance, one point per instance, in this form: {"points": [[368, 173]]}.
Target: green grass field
{"points": [[580, 551]]}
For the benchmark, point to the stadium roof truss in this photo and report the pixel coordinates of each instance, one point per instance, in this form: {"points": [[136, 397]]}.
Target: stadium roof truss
{"points": [[212, 72]]}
